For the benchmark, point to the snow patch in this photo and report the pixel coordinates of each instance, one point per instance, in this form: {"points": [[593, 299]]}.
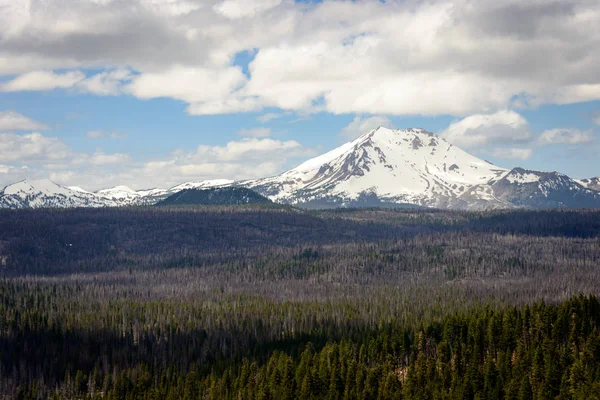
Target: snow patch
{"points": [[520, 178]]}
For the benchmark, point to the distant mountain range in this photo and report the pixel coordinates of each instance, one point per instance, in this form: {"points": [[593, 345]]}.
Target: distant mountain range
{"points": [[389, 168]]}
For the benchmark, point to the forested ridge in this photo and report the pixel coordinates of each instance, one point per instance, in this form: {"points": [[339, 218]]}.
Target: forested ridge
{"points": [[255, 303]]}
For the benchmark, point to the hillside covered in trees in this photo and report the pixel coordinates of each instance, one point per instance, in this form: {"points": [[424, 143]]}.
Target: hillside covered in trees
{"points": [[262, 303], [222, 196]]}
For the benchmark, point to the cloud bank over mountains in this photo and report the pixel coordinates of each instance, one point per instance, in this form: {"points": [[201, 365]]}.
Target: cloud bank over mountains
{"points": [[397, 58]]}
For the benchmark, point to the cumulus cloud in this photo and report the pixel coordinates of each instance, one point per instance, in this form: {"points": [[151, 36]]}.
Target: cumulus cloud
{"points": [[31, 147], [13, 121], [103, 83], [362, 125], [502, 127], [228, 106], [200, 86], [454, 57], [7, 169], [565, 135], [251, 148], [236, 9], [239, 159], [42, 80], [507, 134], [35, 155], [39, 156]]}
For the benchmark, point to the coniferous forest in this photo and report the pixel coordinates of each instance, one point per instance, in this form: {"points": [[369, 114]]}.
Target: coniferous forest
{"points": [[268, 302]]}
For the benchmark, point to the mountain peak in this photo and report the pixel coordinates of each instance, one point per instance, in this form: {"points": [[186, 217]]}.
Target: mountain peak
{"points": [[79, 189], [34, 185], [397, 166], [590, 183], [117, 189], [382, 130], [202, 184]]}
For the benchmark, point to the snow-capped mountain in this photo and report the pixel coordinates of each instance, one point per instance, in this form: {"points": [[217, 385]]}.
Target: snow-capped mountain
{"points": [[534, 189], [202, 185], [125, 196], [384, 167], [525, 188], [45, 193], [592, 183]]}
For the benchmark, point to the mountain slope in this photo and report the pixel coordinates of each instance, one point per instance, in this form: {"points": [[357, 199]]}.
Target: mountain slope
{"points": [[592, 183], [125, 196], [387, 166], [45, 193], [534, 189], [201, 185], [523, 188]]}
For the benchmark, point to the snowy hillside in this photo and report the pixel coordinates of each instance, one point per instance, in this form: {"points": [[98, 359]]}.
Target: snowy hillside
{"points": [[592, 183], [202, 185], [45, 193], [410, 166]]}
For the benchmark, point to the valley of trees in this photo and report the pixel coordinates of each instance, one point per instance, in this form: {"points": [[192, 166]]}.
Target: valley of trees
{"points": [[278, 303]]}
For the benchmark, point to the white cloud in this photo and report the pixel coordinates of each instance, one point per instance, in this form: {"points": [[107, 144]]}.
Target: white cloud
{"points": [[255, 132], [35, 155], [105, 83], [502, 127], [188, 84], [360, 126], [228, 106], [170, 7], [497, 133], [13, 121], [61, 177], [513, 153], [39, 156], [31, 147], [565, 135], [42, 80], [5, 169], [251, 148], [454, 57], [244, 159], [236, 9], [597, 118]]}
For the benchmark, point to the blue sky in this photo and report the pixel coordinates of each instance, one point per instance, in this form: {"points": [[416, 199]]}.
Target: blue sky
{"points": [[243, 89]]}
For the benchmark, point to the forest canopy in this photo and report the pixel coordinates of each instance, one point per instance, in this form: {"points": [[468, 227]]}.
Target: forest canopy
{"points": [[274, 303]]}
